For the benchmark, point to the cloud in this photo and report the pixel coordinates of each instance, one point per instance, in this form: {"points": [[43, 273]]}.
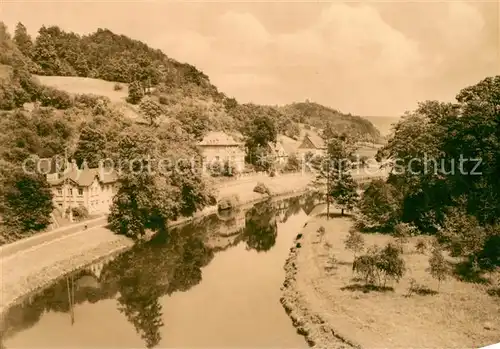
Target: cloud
{"points": [[366, 58]]}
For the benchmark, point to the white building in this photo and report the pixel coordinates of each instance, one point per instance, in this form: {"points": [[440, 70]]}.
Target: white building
{"points": [[92, 188], [220, 148]]}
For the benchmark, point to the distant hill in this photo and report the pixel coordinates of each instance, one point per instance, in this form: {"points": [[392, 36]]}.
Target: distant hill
{"points": [[319, 116], [383, 123], [93, 64]]}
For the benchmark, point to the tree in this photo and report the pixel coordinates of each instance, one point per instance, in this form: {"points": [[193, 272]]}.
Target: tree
{"points": [[344, 193], [366, 265], [402, 231], [391, 264], [438, 267], [461, 234], [151, 110], [45, 53], [333, 175], [195, 121], [381, 204], [354, 242], [135, 92], [149, 194], [27, 202], [259, 133], [380, 265], [91, 147], [292, 163], [23, 40]]}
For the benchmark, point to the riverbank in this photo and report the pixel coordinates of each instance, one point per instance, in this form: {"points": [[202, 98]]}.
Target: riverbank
{"points": [[32, 266], [333, 310]]}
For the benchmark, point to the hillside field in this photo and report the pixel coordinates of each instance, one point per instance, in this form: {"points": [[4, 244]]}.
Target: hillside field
{"points": [[79, 85]]}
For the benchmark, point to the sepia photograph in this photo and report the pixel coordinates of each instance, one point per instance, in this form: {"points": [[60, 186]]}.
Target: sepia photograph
{"points": [[231, 174]]}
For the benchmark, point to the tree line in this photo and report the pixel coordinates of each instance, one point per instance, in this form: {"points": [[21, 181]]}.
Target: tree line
{"points": [[456, 201]]}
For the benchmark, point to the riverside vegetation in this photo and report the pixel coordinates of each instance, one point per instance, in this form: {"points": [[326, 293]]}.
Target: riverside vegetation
{"points": [[418, 261], [169, 106]]}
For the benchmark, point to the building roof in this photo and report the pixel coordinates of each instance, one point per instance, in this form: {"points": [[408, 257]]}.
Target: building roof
{"points": [[277, 148], [316, 141], [219, 138], [290, 145], [85, 177]]}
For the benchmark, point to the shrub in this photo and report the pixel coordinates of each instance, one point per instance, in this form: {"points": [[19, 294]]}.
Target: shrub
{"points": [[380, 265], [292, 164], [321, 233], [228, 202], [135, 92], [355, 242], [51, 97], [421, 246], [402, 231], [117, 87], [90, 100], [438, 267], [380, 205], [79, 213], [261, 188], [391, 264], [366, 265]]}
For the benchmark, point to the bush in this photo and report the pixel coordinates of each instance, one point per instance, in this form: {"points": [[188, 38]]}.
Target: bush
{"points": [[79, 213], [51, 97], [135, 92], [421, 246], [117, 87], [380, 205], [292, 164], [261, 188], [378, 266], [366, 265], [438, 267], [402, 232], [228, 202], [89, 100], [321, 233], [355, 242]]}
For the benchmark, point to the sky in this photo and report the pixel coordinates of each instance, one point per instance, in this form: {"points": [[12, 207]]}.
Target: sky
{"points": [[367, 58]]}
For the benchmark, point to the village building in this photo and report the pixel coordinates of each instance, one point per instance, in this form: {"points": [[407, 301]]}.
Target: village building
{"points": [[312, 144], [278, 154], [91, 188], [220, 148]]}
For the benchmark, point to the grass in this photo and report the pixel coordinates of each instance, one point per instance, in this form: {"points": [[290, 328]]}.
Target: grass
{"points": [[460, 314], [79, 85]]}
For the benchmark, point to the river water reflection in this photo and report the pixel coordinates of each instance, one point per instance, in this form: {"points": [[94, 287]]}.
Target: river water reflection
{"points": [[213, 283]]}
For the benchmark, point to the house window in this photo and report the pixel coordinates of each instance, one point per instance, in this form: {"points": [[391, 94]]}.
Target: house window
{"points": [[59, 191], [80, 191], [60, 205], [70, 191], [217, 158]]}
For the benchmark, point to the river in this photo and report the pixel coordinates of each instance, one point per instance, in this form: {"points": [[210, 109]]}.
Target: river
{"points": [[214, 283]]}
